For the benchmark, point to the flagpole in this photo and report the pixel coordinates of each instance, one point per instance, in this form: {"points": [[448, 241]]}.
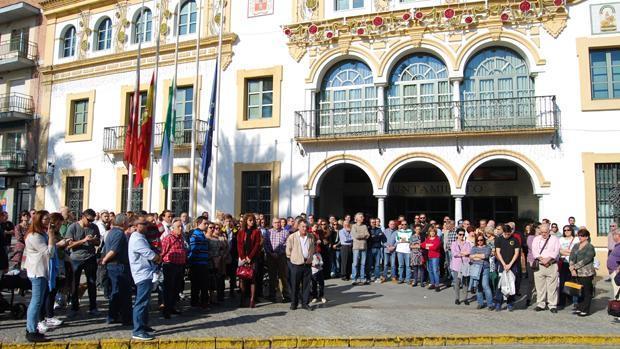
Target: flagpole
{"points": [[153, 115], [216, 144], [192, 176], [174, 105], [135, 113]]}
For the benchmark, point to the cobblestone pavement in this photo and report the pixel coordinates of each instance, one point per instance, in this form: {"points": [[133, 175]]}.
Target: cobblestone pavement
{"points": [[373, 310]]}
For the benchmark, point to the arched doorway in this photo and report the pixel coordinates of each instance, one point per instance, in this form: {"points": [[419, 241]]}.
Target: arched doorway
{"points": [[501, 190], [419, 187], [344, 189]]}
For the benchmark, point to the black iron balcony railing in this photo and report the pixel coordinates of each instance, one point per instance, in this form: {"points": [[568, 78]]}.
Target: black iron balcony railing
{"points": [[16, 103], [518, 113], [114, 137], [21, 48], [13, 160]]}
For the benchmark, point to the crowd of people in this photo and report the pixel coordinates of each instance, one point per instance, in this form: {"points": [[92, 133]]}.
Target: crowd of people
{"points": [[131, 255]]}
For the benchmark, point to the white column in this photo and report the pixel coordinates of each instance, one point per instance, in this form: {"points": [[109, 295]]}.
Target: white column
{"points": [[456, 99], [309, 204], [541, 206], [381, 209], [458, 208], [381, 108]]}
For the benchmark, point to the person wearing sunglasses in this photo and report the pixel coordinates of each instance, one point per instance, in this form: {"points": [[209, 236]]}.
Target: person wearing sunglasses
{"points": [[142, 262], [85, 237], [480, 271], [198, 260], [567, 242], [403, 250], [581, 266], [555, 231], [459, 265]]}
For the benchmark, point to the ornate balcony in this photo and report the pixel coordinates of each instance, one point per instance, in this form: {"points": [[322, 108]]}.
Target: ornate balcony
{"points": [[13, 161], [16, 106], [515, 115], [114, 137], [17, 54]]}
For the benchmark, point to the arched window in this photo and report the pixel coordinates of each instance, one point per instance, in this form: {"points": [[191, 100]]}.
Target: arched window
{"points": [[187, 18], [497, 90], [143, 26], [104, 34], [67, 42], [419, 94], [348, 99]]}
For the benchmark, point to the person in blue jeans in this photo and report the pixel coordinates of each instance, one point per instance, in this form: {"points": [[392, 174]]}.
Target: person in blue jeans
{"points": [[480, 271], [402, 252], [142, 261], [389, 250], [376, 249], [116, 261], [38, 250], [360, 235], [507, 251]]}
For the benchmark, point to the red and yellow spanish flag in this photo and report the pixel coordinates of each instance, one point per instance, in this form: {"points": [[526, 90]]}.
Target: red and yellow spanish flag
{"points": [[146, 135]]}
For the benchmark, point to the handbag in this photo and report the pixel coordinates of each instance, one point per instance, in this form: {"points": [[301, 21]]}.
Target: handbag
{"points": [[536, 262], [475, 271], [613, 306], [572, 288], [245, 272]]}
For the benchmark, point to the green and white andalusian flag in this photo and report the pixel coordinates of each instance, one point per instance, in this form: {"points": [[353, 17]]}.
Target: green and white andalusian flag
{"points": [[167, 146]]}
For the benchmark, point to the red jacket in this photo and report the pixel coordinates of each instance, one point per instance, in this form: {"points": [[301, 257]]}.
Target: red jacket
{"points": [[255, 239], [434, 247]]}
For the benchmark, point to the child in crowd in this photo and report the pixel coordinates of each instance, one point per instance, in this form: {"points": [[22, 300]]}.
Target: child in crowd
{"points": [[417, 261], [318, 281]]}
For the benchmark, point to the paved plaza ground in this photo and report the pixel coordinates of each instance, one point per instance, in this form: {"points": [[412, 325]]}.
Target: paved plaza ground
{"points": [[375, 310]]}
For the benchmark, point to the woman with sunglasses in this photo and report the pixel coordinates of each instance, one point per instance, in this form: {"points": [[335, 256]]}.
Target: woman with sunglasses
{"points": [[490, 242], [555, 231], [39, 248], [479, 272], [198, 260], [459, 265], [248, 246], [433, 245], [581, 266], [567, 242]]}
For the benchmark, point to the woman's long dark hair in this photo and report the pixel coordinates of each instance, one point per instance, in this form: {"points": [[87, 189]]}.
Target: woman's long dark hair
{"points": [[37, 223], [244, 222]]}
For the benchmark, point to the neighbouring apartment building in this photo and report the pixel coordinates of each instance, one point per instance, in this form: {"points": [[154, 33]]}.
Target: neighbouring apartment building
{"points": [[20, 35], [470, 109]]}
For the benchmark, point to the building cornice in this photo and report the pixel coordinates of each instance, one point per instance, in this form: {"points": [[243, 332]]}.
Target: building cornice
{"points": [[126, 61], [454, 18]]}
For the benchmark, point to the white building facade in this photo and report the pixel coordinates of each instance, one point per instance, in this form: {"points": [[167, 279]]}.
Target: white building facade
{"points": [[476, 109]]}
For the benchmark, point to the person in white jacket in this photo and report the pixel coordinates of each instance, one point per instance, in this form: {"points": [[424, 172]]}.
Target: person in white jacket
{"points": [[39, 248]]}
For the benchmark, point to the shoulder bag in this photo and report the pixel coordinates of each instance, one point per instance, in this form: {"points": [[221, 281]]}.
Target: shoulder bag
{"points": [[536, 262], [613, 307]]}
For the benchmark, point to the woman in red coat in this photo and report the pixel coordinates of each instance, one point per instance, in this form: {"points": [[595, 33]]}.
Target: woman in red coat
{"points": [[248, 246]]}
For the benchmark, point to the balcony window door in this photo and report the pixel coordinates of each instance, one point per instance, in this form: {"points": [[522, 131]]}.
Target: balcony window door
{"points": [[68, 41], [19, 40], [498, 88], [347, 100], [184, 112], [419, 94], [104, 35], [144, 26]]}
